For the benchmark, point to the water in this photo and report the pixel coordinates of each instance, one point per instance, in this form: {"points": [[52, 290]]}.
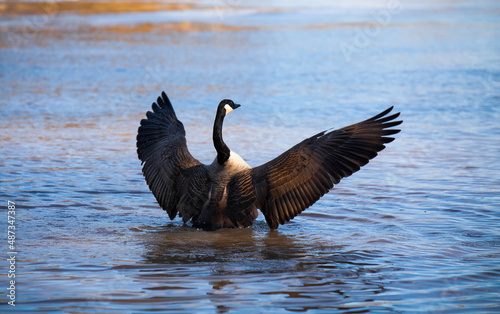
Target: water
{"points": [[416, 230]]}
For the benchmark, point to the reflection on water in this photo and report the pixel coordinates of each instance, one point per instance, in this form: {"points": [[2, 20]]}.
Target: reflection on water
{"points": [[231, 269], [415, 231]]}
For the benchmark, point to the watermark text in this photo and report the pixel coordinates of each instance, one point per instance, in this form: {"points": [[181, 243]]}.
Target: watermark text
{"points": [[11, 252]]}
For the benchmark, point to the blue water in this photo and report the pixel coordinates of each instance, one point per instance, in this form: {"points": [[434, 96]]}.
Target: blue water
{"points": [[416, 230]]}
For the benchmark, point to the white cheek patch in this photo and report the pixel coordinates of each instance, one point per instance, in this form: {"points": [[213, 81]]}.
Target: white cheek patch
{"points": [[228, 109]]}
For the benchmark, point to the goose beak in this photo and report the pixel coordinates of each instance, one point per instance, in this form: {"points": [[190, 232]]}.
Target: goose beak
{"points": [[230, 107], [237, 106]]}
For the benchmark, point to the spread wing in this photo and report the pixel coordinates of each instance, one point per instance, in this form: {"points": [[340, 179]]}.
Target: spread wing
{"points": [[172, 173], [288, 184]]}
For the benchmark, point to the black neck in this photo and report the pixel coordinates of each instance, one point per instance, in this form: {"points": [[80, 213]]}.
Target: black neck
{"points": [[221, 147]]}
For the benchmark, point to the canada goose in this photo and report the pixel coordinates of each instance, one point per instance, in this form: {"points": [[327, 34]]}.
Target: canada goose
{"points": [[228, 192]]}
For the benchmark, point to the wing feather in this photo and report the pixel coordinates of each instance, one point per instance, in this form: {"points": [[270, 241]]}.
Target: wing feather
{"points": [[170, 170], [290, 183]]}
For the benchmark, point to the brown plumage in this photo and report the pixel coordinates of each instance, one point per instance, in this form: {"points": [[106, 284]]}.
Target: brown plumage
{"points": [[228, 192]]}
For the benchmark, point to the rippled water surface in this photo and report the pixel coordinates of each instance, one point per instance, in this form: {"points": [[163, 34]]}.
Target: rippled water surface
{"points": [[416, 230]]}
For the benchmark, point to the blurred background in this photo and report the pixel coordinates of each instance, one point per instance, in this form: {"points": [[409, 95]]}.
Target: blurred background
{"points": [[416, 230]]}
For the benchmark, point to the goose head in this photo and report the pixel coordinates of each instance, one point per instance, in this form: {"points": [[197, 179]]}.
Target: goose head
{"points": [[228, 105]]}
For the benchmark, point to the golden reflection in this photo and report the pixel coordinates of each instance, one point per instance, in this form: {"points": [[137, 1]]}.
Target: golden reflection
{"points": [[40, 36], [87, 7], [177, 27]]}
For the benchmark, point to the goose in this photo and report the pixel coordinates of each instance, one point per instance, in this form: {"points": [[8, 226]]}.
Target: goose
{"points": [[228, 193]]}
